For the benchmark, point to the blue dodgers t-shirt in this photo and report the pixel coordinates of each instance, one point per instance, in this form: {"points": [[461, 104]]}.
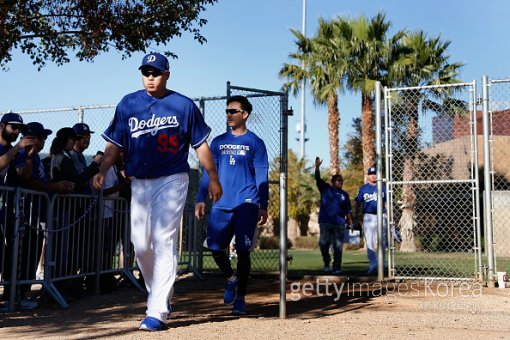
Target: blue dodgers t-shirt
{"points": [[156, 133], [242, 165], [9, 175], [367, 196], [37, 167], [335, 204]]}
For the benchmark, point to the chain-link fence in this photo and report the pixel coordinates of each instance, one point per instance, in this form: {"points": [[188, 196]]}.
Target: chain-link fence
{"points": [[499, 139], [264, 120], [268, 108], [433, 191]]}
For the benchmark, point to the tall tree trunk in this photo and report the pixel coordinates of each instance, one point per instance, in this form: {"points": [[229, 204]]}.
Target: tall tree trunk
{"points": [[333, 124], [367, 132], [407, 221], [303, 225]]}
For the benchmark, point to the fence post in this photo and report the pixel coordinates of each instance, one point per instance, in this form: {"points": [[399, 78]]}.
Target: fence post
{"points": [[378, 148], [476, 189], [99, 241], [81, 113], [487, 181], [283, 205], [14, 251]]}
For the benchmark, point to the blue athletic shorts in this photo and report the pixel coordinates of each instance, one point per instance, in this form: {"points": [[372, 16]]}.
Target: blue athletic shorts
{"points": [[240, 222]]}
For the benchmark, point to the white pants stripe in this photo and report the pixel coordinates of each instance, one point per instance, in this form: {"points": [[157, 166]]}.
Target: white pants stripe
{"points": [[156, 212]]}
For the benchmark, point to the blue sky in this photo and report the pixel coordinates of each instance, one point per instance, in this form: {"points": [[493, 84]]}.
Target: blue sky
{"points": [[248, 41]]}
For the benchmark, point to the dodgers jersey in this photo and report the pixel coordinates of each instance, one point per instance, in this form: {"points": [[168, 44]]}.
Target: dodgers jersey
{"points": [[335, 204], [367, 196], [156, 133], [242, 165]]}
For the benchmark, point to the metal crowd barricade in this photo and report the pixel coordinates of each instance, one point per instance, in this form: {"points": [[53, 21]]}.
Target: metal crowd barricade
{"points": [[71, 237]]}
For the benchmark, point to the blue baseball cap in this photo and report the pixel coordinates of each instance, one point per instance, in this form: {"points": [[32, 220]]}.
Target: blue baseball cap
{"points": [[12, 118], [36, 129], [81, 129], [155, 60], [371, 171], [66, 133]]}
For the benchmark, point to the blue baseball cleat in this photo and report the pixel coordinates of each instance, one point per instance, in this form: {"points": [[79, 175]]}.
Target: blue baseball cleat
{"points": [[152, 324], [230, 292], [239, 306]]}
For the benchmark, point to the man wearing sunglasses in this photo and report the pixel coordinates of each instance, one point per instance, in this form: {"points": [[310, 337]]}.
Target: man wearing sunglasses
{"points": [[242, 162], [12, 173], [11, 125], [155, 128]]}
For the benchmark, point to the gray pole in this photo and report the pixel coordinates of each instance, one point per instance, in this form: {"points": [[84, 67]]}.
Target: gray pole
{"points": [[81, 113], [378, 148], [389, 211], [302, 122], [487, 180], [476, 187], [283, 204]]}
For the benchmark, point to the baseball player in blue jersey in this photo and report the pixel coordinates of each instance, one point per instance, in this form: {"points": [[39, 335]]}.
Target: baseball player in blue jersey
{"points": [[335, 212], [367, 200], [155, 128], [241, 159]]}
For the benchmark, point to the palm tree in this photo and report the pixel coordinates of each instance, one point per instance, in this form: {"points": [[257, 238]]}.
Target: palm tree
{"points": [[427, 63], [371, 55], [323, 66]]}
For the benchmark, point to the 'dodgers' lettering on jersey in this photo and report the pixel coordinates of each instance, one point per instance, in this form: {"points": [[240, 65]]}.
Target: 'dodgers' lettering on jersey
{"points": [[234, 149], [370, 197], [140, 127]]}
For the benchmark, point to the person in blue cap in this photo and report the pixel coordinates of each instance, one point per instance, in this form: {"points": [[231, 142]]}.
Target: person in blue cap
{"points": [[12, 173], [367, 201], [155, 127], [81, 143], [11, 125], [35, 208]]}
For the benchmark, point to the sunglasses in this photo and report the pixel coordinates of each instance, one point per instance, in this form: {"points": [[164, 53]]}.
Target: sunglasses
{"points": [[233, 111], [151, 72], [16, 126]]}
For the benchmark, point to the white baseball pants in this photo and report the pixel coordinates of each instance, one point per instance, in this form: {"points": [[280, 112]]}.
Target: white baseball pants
{"points": [[156, 212], [370, 231]]}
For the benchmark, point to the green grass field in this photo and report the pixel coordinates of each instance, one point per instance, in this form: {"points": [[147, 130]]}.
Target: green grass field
{"points": [[304, 262], [355, 263]]}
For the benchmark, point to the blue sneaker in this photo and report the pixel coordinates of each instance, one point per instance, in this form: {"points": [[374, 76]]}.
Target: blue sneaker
{"points": [[239, 306], [230, 292], [152, 324]]}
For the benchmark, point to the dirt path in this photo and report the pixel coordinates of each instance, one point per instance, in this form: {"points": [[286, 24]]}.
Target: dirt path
{"points": [[400, 312]]}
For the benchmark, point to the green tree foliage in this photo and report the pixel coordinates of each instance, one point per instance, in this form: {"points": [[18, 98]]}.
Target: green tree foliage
{"points": [[49, 30], [323, 65], [371, 53], [302, 193], [354, 147]]}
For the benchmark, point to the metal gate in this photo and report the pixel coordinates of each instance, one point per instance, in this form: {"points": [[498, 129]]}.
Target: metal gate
{"points": [[433, 207], [269, 121], [496, 97]]}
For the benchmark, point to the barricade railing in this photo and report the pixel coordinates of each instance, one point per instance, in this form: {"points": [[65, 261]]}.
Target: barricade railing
{"points": [[68, 237]]}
